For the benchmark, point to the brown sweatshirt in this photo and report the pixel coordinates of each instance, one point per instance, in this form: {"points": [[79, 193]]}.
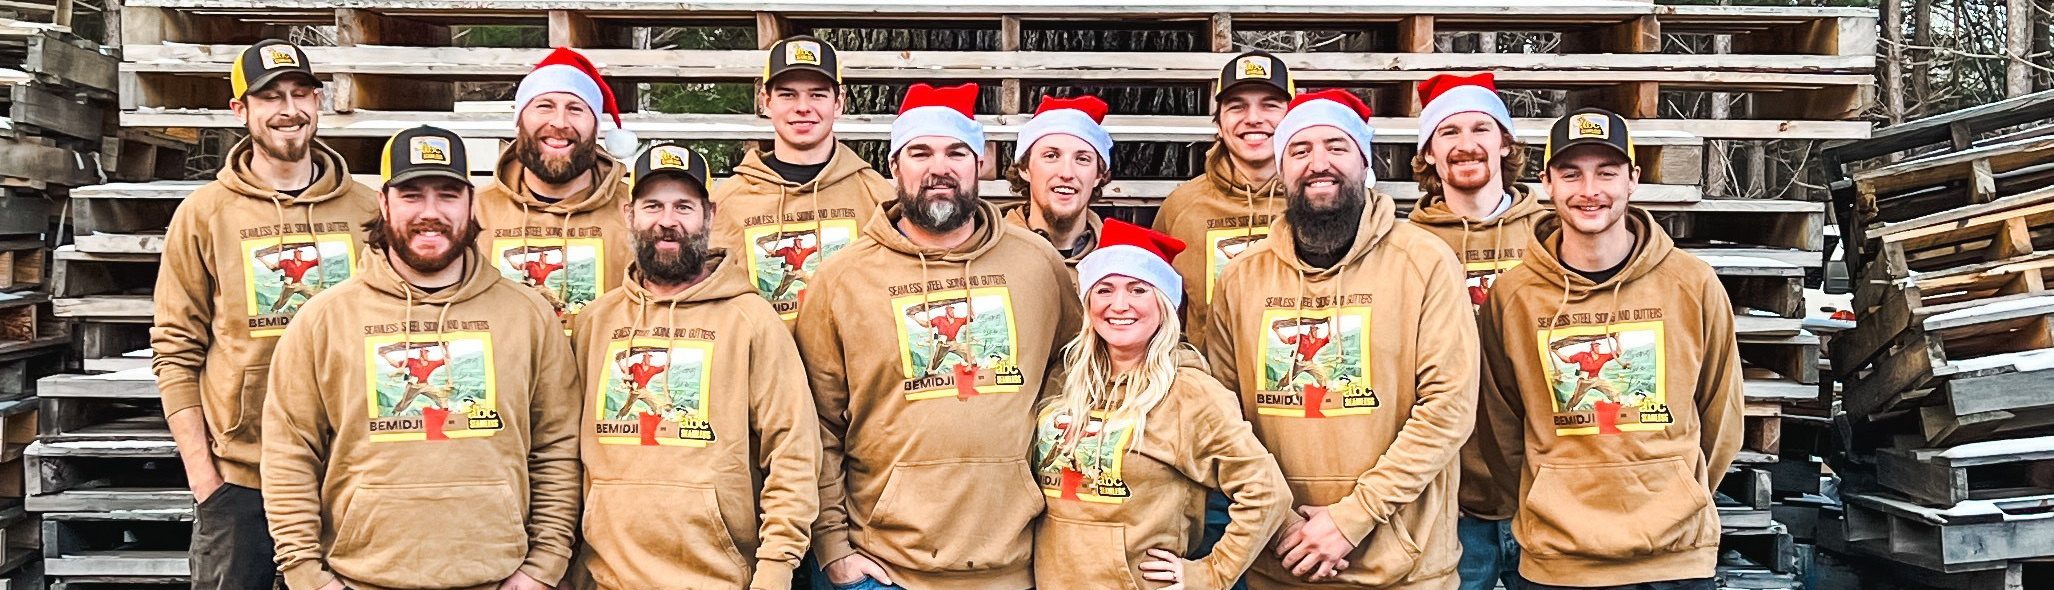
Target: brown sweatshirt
{"points": [[926, 392], [1361, 378], [1016, 215], [571, 251], [1116, 495], [240, 259], [787, 229], [422, 440], [1625, 402], [693, 406], [1218, 216], [1487, 250]]}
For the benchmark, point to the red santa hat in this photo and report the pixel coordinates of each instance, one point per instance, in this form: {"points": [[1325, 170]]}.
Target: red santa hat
{"points": [[1335, 108], [948, 112], [1130, 250], [568, 71], [1082, 117], [1447, 95]]}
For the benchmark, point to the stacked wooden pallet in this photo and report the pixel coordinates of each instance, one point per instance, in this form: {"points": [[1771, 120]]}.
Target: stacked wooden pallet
{"points": [[1945, 372]]}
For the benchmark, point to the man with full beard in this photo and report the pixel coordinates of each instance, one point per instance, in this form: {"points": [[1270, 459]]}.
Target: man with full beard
{"points": [[1468, 166], [948, 436], [243, 253], [475, 491], [1060, 165], [1369, 440], [550, 213], [731, 428]]}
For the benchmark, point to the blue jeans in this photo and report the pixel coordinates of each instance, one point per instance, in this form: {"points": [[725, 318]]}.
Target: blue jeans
{"points": [[863, 584], [1489, 554], [1216, 519]]}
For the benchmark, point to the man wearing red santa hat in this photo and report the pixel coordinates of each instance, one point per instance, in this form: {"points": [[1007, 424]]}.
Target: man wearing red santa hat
{"points": [[1060, 163], [552, 211]]}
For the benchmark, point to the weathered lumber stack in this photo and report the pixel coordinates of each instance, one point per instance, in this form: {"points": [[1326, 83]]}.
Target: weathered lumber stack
{"points": [[1946, 370]]}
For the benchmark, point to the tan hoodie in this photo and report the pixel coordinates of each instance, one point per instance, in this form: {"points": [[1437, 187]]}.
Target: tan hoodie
{"points": [[693, 405], [422, 440], [1622, 498], [1362, 380], [1016, 215], [240, 259], [782, 225], [1115, 496], [1218, 216], [1487, 250], [571, 251], [926, 394]]}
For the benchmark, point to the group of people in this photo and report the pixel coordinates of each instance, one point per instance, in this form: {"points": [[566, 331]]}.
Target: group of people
{"points": [[604, 369]]}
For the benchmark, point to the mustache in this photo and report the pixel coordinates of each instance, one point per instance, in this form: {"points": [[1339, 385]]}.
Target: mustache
{"points": [[1318, 176], [934, 182], [290, 121], [428, 226]]}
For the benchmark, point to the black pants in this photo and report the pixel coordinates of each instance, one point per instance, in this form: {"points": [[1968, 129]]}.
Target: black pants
{"points": [[232, 543], [1698, 584]]}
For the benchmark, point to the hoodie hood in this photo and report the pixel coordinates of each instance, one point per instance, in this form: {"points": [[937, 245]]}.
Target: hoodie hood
{"points": [[843, 165], [612, 178], [380, 275], [885, 230], [1651, 247], [1434, 210], [1219, 169], [331, 175], [1378, 216], [727, 281]]}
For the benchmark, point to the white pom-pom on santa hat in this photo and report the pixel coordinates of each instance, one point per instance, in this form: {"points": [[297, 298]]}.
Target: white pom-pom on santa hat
{"points": [[1447, 95], [565, 70]]}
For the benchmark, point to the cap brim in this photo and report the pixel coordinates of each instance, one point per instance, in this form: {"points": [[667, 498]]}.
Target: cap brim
{"points": [[274, 75], [803, 68], [1270, 84], [420, 173], [1559, 150]]}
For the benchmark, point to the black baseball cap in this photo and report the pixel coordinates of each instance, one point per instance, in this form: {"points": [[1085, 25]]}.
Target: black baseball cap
{"points": [[669, 159], [269, 60], [804, 53], [1254, 67], [1590, 126], [423, 152]]}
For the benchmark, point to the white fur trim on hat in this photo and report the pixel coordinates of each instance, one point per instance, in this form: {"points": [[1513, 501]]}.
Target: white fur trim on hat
{"points": [[562, 78], [1458, 100], [1132, 261], [1315, 113], [936, 120], [1071, 122]]}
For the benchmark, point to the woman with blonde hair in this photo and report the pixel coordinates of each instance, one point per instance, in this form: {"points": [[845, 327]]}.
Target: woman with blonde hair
{"points": [[1136, 432]]}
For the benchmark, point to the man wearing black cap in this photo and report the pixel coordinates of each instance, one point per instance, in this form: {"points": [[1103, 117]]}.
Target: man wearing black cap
{"points": [[243, 253], [785, 212], [1612, 383], [693, 407], [422, 431]]}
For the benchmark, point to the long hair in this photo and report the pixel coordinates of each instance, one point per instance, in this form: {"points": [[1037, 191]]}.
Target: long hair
{"points": [[1125, 399], [1509, 168]]}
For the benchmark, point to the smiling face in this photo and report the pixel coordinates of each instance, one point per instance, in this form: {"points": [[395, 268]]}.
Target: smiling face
{"points": [[1591, 186], [1468, 151], [669, 216], [558, 137], [281, 117], [1062, 173], [937, 182], [421, 217], [1248, 118], [1317, 162], [1125, 312], [802, 107]]}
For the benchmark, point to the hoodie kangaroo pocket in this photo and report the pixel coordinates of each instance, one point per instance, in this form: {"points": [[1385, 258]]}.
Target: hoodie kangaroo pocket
{"points": [[955, 516], [236, 401], [1614, 511], [1386, 556], [1082, 555], [660, 535], [472, 532]]}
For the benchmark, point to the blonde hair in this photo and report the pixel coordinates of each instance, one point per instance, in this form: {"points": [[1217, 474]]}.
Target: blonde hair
{"points": [[1089, 384]]}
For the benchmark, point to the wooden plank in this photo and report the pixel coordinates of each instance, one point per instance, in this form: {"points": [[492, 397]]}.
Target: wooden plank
{"points": [[358, 26], [39, 107], [72, 65], [1222, 38], [114, 308], [119, 563], [1911, 174], [39, 164], [1894, 378], [1596, 11]]}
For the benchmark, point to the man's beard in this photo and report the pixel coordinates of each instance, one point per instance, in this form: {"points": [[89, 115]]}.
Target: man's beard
{"points": [[1062, 224], [1467, 184], [401, 242], [666, 268], [1326, 230], [279, 148], [559, 170], [939, 214]]}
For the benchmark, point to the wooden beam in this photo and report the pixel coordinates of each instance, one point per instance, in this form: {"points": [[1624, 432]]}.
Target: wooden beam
{"points": [[358, 26], [1222, 32], [771, 27], [1009, 99], [72, 65], [37, 106]]}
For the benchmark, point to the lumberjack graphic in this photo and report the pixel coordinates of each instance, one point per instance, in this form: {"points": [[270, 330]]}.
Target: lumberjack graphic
{"points": [[947, 325], [536, 264], [1234, 246], [292, 261], [791, 249], [417, 362], [1481, 291], [1589, 363], [1307, 336], [637, 366], [1080, 468]]}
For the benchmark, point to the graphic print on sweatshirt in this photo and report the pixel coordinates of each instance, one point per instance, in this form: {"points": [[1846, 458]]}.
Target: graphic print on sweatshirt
{"points": [[958, 344], [1315, 363], [654, 393], [1479, 277], [1091, 470], [567, 273], [1225, 245], [430, 387], [782, 261], [280, 275], [1606, 379]]}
